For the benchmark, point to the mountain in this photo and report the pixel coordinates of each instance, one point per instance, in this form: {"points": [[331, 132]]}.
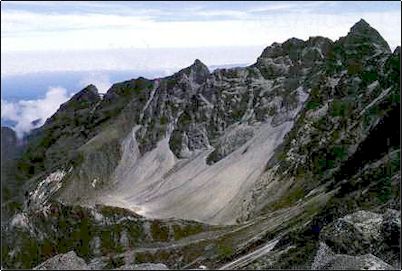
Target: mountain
{"points": [[291, 162]]}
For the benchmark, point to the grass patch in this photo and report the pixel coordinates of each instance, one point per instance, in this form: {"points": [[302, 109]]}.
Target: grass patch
{"points": [[159, 231], [288, 199], [182, 232]]}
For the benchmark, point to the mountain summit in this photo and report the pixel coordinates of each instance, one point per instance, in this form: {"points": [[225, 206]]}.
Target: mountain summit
{"points": [[198, 72], [362, 32]]}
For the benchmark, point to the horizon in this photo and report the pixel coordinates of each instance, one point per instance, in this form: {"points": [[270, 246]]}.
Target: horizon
{"points": [[48, 36]]}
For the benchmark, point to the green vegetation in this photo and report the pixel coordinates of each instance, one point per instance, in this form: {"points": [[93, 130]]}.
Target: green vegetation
{"points": [[175, 142], [115, 262], [288, 199], [300, 256], [213, 157], [180, 232], [341, 108], [163, 120], [184, 119], [237, 114], [315, 100], [384, 188], [159, 231], [311, 105], [225, 250], [339, 152], [354, 67], [369, 76]]}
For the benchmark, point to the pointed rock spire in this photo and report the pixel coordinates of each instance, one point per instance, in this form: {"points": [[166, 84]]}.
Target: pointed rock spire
{"points": [[198, 72], [84, 98], [90, 92], [361, 25], [361, 32]]}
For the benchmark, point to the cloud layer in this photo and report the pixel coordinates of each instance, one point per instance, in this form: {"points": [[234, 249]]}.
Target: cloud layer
{"points": [[30, 114], [47, 36]]}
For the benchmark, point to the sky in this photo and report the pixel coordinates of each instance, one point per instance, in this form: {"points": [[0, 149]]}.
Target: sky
{"points": [[79, 35], [158, 38]]}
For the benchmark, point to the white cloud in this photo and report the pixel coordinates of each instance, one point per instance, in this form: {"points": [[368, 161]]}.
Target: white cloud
{"points": [[21, 22], [138, 60], [22, 30], [90, 37], [25, 112]]}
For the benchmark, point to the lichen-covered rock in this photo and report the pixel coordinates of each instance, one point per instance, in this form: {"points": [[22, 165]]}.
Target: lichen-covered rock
{"points": [[355, 233], [366, 232], [326, 259], [365, 262], [67, 261], [144, 266]]}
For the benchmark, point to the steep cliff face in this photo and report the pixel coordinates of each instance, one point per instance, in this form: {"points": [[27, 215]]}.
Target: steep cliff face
{"points": [[271, 153]]}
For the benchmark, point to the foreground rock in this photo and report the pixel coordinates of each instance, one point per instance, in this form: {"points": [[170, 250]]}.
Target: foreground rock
{"points": [[366, 232], [326, 259], [70, 261], [67, 261]]}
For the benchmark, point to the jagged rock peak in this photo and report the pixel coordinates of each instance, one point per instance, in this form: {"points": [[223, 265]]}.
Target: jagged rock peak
{"points": [[198, 62], [363, 32], [89, 93], [293, 42], [84, 98], [397, 50], [91, 89], [198, 72], [198, 67], [360, 25], [281, 49], [318, 40]]}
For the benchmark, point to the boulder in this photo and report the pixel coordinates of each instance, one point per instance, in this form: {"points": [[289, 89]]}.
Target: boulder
{"points": [[326, 259], [67, 261]]}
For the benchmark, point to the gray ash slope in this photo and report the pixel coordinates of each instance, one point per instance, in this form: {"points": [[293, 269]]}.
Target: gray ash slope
{"points": [[292, 162]]}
